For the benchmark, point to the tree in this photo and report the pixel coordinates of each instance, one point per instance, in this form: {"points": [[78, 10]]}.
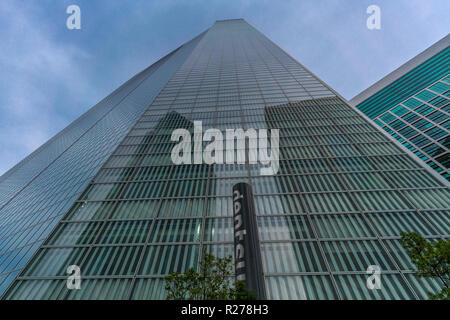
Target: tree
{"points": [[212, 282], [242, 292], [432, 259]]}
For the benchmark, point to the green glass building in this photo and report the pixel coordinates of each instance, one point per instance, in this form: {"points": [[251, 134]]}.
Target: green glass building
{"points": [[343, 192], [412, 104]]}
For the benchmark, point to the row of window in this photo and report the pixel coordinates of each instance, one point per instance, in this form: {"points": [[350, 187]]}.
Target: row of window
{"points": [[266, 185], [271, 228], [295, 287], [277, 258]]}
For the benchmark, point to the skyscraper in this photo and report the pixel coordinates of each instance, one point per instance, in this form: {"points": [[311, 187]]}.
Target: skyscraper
{"points": [[412, 104], [343, 191]]}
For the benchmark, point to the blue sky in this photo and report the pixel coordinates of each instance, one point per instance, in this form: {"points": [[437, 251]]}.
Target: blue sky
{"points": [[50, 75]]}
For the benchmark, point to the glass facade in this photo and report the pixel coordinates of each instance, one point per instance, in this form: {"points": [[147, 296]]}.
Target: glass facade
{"points": [[414, 107], [337, 204], [422, 124], [36, 193]]}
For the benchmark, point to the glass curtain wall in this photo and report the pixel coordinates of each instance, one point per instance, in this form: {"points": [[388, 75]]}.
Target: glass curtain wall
{"points": [[343, 192]]}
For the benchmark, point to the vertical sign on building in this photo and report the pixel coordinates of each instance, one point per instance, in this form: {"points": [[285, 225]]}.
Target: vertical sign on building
{"points": [[248, 263]]}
